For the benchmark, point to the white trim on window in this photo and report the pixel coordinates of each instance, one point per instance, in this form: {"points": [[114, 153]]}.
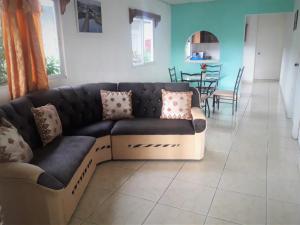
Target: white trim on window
{"points": [[61, 46]]}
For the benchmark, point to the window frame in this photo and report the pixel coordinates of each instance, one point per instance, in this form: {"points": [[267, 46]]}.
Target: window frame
{"points": [[58, 19], [143, 49]]}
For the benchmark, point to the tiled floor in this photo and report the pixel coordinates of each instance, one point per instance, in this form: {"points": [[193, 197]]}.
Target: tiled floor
{"points": [[249, 175]]}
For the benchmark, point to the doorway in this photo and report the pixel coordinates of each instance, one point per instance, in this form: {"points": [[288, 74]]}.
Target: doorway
{"points": [[264, 43]]}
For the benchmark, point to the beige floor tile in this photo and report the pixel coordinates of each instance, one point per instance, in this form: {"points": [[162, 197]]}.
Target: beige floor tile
{"points": [[146, 186], [133, 165], [248, 163], [123, 210], [206, 172], [284, 190], [284, 154], [214, 221], [109, 176], [189, 196], [165, 215], [89, 201], [218, 141], [282, 213], [161, 168], [239, 208], [279, 169], [243, 183], [289, 143]]}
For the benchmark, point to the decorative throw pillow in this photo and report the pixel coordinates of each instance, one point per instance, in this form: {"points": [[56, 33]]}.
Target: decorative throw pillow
{"points": [[13, 148], [116, 105], [47, 122], [176, 105]]}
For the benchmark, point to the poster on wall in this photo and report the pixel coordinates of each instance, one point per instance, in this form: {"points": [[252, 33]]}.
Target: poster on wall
{"points": [[296, 20], [89, 16]]}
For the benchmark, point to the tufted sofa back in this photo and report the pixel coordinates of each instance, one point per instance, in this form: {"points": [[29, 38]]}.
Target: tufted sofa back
{"points": [[147, 97], [18, 112], [81, 105], [77, 106]]}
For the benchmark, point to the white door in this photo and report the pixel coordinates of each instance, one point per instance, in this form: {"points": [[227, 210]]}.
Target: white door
{"points": [[269, 46]]}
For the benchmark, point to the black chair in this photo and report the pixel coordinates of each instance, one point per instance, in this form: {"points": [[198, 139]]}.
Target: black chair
{"points": [[229, 96], [214, 71], [173, 75], [196, 80]]}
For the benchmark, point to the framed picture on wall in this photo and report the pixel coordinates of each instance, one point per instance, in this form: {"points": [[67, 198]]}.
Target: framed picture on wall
{"points": [[89, 16], [296, 20]]}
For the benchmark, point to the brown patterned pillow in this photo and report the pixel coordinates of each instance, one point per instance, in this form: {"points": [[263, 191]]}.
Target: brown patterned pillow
{"points": [[176, 105], [13, 148], [116, 105], [47, 122]]}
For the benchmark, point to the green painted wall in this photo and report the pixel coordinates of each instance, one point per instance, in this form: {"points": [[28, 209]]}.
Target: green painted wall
{"points": [[224, 18]]}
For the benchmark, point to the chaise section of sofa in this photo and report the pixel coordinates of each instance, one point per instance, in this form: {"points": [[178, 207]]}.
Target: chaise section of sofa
{"points": [[48, 189]]}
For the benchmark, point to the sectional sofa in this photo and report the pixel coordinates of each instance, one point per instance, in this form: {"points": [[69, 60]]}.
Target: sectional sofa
{"points": [[47, 190]]}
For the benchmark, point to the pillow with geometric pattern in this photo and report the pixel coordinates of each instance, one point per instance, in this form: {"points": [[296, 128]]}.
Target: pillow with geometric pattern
{"points": [[48, 123], [116, 105], [176, 105], [13, 148]]}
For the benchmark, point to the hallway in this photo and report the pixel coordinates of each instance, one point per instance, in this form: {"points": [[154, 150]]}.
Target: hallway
{"points": [[250, 175]]}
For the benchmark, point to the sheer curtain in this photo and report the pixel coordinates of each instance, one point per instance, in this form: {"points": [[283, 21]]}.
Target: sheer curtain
{"points": [[23, 45]]}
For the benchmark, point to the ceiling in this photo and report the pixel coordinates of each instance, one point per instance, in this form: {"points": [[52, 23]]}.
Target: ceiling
{"points": [[173, 2]]}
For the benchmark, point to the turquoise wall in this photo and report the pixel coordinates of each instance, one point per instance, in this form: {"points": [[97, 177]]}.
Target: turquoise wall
{"points": [[225, 19]]}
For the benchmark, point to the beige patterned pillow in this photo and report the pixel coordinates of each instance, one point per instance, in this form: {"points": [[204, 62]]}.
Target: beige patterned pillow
{"points": [[13, 148], [116, 105], [47, 122], [176, 105]]}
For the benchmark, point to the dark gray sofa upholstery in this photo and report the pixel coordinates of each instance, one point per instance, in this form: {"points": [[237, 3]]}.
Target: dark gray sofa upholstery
{"points": [[147, 99], [61, 158], [152, 126], [97, 130], [80, 110]]}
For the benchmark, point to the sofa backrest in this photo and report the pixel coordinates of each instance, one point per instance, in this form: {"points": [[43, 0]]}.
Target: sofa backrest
{"points": [[147, 97], [77, 106], [18, 112]]}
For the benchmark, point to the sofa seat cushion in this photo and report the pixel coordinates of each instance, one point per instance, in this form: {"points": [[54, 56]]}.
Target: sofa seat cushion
{"points": [[153, 126], [61, 158], [96, 130]]}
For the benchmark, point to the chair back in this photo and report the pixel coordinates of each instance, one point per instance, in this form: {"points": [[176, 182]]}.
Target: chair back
{"points": [[238, 80], [173, 76], [188, 77], [213, 70]]}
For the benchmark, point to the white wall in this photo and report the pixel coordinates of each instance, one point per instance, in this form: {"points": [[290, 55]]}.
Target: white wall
{"points": [[287, 76], [250, 48], [107, 57]]}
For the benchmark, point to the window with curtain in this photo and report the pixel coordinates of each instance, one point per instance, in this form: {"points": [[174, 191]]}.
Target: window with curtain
{"points": [[142, 37], [51, 40]]}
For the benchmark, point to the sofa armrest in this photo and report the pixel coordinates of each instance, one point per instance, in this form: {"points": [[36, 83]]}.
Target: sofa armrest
{"points": [[199, 119], [20, 171]]}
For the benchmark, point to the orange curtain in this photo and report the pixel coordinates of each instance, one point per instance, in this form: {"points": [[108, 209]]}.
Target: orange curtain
{"points": [[23, 45]]}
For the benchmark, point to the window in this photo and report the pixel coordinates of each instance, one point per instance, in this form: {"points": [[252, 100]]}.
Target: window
{"points": [[51, 42], [3, 75], [50, 35], [142, 41]]}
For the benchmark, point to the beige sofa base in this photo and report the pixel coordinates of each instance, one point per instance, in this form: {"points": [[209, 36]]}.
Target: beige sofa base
{"points": [[24, 202], [158, 147]]}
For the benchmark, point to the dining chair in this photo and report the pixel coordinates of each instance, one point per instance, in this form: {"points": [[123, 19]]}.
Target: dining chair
{"points": [[173, 75], [229, 96], [214, 71], [196, 80]]}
